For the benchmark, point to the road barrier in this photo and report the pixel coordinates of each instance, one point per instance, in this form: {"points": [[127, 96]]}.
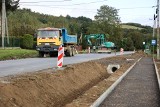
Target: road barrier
{"points": [[121, 51], [89, 50], [60, 57]]}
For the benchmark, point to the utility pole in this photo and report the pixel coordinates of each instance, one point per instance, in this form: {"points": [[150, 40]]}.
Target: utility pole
{"points": [[158, 44], [3, 22], [6, 27], [154, 23]]}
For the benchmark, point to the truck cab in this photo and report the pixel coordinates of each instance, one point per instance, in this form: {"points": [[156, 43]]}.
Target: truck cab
{"points": [[48, 41]]}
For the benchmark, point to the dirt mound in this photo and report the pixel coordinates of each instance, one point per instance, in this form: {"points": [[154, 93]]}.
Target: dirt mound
{"points": [[56, 88], [140, 52], [53, 88]]}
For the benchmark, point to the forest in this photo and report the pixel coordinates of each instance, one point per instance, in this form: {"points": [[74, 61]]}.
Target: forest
{"points": [[25, 21]]}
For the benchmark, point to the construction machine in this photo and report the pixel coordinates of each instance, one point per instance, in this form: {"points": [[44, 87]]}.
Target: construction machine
{"points": [[99, 41]]}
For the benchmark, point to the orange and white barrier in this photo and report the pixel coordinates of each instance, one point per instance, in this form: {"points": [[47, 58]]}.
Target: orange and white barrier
{"points": [[89, 49], [60, 56], [121, 51]]}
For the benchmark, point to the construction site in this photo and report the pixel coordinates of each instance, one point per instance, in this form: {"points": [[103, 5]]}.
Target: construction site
{"points": [[79, 85], [65, 61]]}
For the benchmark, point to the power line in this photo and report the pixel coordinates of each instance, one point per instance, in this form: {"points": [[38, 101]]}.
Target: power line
{"points": [[92, 10], [67, 5], [51, 6], [45, 1], [57, 6], [84, 9], [137, 7]]}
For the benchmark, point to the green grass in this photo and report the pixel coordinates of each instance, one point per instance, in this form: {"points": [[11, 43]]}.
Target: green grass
{"points": [[131, 27], [6, 54]]}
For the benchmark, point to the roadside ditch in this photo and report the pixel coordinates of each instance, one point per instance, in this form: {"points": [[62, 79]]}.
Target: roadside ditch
{"points": [[77, 85]]}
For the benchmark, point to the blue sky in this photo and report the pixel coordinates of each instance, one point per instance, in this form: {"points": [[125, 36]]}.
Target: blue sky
{"points": [[137, 11]]}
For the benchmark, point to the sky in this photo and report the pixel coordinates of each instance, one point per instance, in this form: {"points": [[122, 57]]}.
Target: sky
{"points": [[136, 11]]}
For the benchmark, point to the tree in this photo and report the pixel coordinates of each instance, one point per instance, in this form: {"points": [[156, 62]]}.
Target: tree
{"points": [[84, 23], [107, 14], [27, 41], [127, 44], [107, 22], [137, 39], [93, 28], [22, 22], [10, 4]]}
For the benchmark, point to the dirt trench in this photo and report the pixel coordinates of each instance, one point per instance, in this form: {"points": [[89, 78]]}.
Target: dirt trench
{"points": [[78, 85]]}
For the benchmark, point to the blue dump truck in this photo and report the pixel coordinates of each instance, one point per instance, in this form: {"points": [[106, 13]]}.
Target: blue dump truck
{"points": [[49, 40]]}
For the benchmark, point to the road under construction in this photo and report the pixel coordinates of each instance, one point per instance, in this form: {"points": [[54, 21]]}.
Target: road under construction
{"points": [[86, 84]]}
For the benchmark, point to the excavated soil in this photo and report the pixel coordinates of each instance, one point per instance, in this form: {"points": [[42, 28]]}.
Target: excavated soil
{"points": [[77, 85]]}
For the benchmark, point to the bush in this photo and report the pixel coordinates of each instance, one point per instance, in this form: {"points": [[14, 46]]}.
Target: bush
{"points": [[34, 44], [27, 41]]}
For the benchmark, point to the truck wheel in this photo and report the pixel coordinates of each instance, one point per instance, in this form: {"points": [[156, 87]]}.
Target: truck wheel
{"points": [[41, 54], [73, 51], [70, 51]]}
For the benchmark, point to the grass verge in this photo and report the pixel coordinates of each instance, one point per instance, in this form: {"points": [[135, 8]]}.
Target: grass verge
{"points": [[6, 54]]}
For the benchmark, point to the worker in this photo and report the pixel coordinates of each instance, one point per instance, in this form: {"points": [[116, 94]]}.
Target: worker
{"points": [[115, 49], [89, 50]]}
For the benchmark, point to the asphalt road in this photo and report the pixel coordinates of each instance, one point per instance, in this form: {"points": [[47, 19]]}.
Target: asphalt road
{"points": [[13, 67]]}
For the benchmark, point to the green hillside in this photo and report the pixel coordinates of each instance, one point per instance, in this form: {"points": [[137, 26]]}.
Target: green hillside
{"points": [[131, 27]]}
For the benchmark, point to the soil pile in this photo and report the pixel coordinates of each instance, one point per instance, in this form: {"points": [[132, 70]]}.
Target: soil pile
{"points": [[77, 85]]}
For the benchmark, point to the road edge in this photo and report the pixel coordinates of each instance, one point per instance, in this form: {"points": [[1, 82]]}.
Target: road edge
{"points": [[112, 87], [157, 74]]}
